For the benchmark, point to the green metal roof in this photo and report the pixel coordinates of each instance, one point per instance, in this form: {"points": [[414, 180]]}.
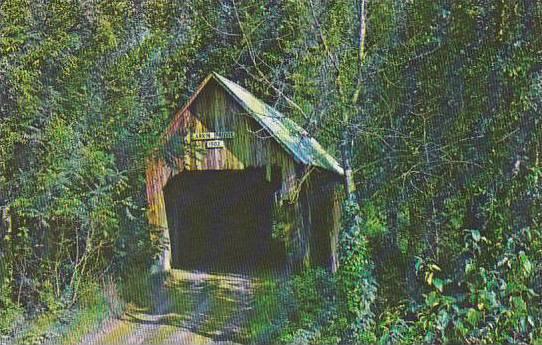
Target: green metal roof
{"points": [[292, 137]]}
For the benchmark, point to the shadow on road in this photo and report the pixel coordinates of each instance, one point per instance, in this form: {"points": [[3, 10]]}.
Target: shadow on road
{"points": [[213, 305]]}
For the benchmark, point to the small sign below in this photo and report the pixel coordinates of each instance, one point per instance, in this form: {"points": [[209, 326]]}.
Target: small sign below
{"points": [[212, 135], [214, 144]]}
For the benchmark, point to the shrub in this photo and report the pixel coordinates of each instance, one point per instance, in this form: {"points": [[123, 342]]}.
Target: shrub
{"points": [[311, 299], [10, 315]]}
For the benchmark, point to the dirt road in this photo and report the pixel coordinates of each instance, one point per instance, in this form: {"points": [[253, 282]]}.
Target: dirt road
{"points": [[190, 308]]}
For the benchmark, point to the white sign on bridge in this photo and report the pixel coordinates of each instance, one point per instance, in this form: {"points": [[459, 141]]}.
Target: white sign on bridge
{"points": [[212, 135], [215, 144]]}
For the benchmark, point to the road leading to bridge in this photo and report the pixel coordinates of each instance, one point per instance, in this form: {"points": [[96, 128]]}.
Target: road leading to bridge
{"points": [[189, 308]]}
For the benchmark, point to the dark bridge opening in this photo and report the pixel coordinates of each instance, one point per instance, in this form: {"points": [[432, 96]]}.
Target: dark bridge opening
{"points": [[222, 221]]}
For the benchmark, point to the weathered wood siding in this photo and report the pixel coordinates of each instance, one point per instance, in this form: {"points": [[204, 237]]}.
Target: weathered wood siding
{"points": [[212, 109], [325, 204]]}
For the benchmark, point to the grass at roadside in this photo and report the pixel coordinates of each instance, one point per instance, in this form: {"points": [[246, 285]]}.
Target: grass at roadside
{"points": [[267, 311], [38, 330], [99, 302], [67, 326], [136, 290], [84, 321]]}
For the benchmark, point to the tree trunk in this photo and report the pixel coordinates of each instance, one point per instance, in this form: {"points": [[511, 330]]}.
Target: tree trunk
{"points": [[346, 153]]}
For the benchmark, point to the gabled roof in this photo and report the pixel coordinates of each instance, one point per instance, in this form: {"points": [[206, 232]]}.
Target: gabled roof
{"points": [[292, 137]]}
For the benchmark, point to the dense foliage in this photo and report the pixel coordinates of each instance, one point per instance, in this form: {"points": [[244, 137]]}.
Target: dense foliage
{"points": [[440, 109]]}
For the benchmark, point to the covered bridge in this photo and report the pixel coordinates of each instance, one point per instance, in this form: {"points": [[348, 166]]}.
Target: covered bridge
{"points": [[237, 184]]}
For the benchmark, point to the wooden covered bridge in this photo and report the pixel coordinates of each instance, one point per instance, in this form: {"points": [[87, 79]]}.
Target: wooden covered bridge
{"points": [[236, 184]]}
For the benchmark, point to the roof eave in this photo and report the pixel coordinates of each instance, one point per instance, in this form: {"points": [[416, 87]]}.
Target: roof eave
{"points": [[335, 169]]}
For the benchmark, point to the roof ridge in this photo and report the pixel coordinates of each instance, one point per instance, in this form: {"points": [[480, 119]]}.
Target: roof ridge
{"points": [[290, 135]]}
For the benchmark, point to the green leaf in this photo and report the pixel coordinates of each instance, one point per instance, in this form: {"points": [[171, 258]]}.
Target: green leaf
{"points": [[439, 284], [519, 304], [473, 316], [432, 299], [461, 327], [469, 267], [419, 263], [526, 263], [476, 235]]}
